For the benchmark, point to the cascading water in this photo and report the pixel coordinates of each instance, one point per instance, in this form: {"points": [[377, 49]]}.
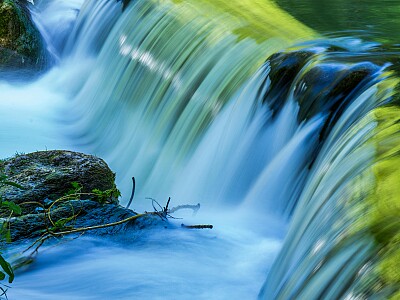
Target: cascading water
{"points": [[189, 97]]}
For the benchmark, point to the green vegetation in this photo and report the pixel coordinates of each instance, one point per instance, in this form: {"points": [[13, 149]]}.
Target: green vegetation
{"points": [[250, 19], [383, 216], [13, 209], [57, 226], [378, 214]]}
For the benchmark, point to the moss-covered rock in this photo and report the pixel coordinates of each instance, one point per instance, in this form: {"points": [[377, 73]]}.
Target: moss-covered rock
{"points": [[46, 200], [49, 174], [21, 45]]}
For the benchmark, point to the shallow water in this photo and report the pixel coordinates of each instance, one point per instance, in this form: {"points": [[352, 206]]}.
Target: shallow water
{"points": [[228, 262]]}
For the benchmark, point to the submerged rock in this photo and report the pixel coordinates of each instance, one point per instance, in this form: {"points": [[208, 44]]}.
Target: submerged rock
{"points": [[21, 45]]}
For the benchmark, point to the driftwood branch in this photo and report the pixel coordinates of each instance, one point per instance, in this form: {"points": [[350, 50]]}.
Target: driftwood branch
{"points": [[197, 226]]}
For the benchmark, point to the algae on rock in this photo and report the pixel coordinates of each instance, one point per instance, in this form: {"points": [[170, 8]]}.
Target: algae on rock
{"points": [[49, 174], [47, 195]]}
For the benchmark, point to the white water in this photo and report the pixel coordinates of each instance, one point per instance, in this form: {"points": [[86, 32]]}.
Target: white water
{"points": [[229, 172], [229, 262]]}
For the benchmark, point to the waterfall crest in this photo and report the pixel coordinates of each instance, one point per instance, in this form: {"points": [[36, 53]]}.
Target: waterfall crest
{"points": [[175, 66]]}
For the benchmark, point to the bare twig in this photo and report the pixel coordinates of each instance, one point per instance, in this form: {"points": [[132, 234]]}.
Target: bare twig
{"points": [[4, 292], [133, 192], [197, 226], [195, 208]]}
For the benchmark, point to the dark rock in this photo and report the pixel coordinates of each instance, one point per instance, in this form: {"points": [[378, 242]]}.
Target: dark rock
{"points": [[322, 80], [21, 45], [327, 86], [46, 176], [285, 66], [80, 213], [125, 3], [49, 174]]}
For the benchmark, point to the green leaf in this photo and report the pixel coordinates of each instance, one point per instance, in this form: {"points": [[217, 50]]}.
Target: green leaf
{"points": [[8, 236], [7, 268], [12, 206], [2, 275], [10, 183], [76, 185], [107, 195], [76, 188], [61, 223]]}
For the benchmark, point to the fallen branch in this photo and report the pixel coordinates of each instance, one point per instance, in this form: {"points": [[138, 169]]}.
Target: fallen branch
{"points": [[84, 229], [57, 232], [197, 226]]}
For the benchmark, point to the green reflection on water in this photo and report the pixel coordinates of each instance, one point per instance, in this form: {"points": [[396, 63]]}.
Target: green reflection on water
{"points": [[377, 20]]}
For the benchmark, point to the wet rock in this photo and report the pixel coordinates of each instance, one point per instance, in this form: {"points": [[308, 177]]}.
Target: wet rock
{"points": [[322, 80], [79, 214], [285, 66], [327, 87], [46, 177], [21, 45], [125, 3], [49, 174]]}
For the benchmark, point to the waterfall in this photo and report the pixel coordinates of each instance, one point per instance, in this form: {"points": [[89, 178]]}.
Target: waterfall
{"points": [[288, 140], [176, 66], [331, 249]]}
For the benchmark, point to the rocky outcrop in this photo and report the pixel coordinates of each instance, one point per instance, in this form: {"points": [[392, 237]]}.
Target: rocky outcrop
{"points": [[21, 45], [49, 175], [46, 176]]}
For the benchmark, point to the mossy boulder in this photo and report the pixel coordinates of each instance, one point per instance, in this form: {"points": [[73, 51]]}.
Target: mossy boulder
{"points": [[49, 174], [21, 45]]}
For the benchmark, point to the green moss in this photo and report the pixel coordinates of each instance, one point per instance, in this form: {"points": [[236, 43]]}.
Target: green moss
{"points": [[379, 214], [249, 18]]}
